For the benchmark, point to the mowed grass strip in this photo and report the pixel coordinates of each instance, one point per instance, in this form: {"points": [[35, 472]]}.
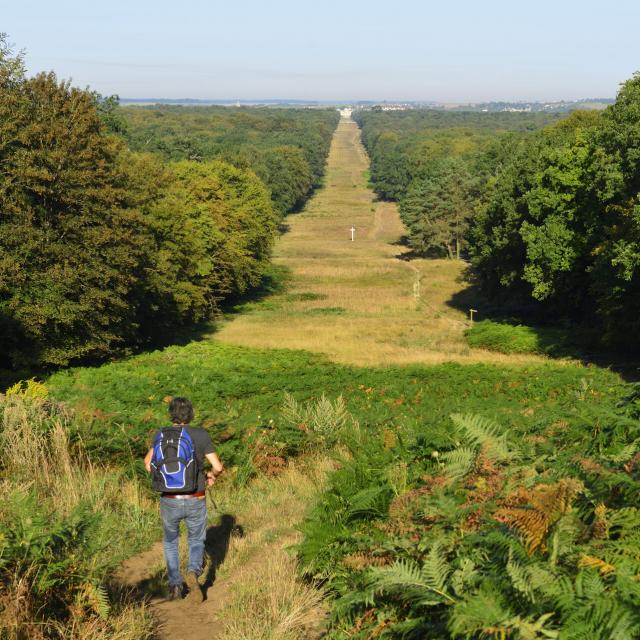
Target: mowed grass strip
{"points": [[393, 311]]}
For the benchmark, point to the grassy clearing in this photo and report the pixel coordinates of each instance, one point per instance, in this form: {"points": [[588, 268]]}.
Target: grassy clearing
{"points": [[392, 311], [238, 393]]}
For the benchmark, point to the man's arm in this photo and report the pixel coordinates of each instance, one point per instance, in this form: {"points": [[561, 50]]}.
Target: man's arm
{"points": [[216, 466], [147, 460]]}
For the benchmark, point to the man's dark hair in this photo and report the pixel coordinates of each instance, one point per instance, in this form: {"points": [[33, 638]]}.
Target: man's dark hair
{"points": [[181, 410]]}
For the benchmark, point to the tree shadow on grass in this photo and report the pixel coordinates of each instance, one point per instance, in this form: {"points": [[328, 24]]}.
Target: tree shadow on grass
{"points": [[275, 281], [513, 322]]}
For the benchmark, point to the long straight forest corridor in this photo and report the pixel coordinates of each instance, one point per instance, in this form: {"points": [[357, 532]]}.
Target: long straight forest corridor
{"points": [[383, 283], [358, 302]]}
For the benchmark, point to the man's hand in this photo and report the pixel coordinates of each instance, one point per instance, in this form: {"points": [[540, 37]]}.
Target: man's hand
{"points": [[147, 460], [211, 478]]}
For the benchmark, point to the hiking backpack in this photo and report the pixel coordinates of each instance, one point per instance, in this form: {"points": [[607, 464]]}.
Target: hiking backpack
{"points": [[174, 468]]}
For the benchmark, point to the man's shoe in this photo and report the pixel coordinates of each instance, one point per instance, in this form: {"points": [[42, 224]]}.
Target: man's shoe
{"points": [[195, 592], [175, 592]]}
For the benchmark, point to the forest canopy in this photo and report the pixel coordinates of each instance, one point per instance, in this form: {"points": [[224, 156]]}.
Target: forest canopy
{"points": [[285, 148], [561, 228], [104, 246], [437, 165]]}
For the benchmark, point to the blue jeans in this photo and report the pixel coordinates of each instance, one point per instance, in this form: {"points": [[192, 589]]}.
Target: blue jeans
{"points": [[194, 512]]}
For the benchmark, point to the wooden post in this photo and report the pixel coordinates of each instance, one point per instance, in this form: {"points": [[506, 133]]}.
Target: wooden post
{"points": [[353, 233], [471, 312]]}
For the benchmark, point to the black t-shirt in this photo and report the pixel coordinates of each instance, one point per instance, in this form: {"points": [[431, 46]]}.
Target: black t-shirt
{"points": [[202, 445]]}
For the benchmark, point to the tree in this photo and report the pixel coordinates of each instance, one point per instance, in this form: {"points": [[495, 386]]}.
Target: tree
{"points": [[437, 208], [288, 174], [73, 251]]}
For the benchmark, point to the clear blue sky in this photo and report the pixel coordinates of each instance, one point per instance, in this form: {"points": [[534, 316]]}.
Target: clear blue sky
{"points": [[325, 49]]}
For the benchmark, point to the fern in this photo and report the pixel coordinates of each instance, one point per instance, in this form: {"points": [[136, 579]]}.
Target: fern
{"points": [[625, 454], [532, 629], [96, 598], [482, 432], [476, 615], [436, 569], [464, 577], [459, 462], [422, 586], [370, 501], [520, 579], [499, 542]]}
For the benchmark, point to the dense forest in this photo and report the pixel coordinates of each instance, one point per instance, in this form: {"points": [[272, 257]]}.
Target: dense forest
{"points": [[548, 217], [285, 148], [438, 166], [560, 228], [105, 246]]}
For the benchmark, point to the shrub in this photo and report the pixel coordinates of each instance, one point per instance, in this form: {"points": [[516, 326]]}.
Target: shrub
{"points": [[498, 534], [505, 338], [517, 338], [64, 524]]}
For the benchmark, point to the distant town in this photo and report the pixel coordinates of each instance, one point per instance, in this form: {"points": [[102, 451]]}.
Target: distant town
{"points": [[487, 107]]}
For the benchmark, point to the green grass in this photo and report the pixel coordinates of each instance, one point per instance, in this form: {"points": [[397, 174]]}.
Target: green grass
{"points": [[237, 388], [404, 417], [326, 311], [517, 338]]}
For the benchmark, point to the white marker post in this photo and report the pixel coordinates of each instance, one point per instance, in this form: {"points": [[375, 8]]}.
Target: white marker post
{"points": [[471, 312], [353, 233]]}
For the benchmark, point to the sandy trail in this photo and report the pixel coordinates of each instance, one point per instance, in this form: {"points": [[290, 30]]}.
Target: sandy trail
{"points": [[180, 620]]}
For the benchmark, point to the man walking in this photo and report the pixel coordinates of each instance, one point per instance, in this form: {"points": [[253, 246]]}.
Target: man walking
{"points": [[176, 464]]}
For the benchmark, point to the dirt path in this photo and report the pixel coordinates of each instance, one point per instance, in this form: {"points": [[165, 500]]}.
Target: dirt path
{"points": [[177, 620], [360, 302], [250, 579], [182, 619]]}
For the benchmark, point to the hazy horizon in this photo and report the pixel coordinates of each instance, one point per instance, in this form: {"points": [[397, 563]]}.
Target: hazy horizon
{"points": [[464, 53]]}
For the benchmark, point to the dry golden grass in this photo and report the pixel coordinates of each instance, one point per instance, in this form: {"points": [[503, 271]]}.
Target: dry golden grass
{"points": [[269, 604], [42, 460], [266, 599], [378, 309]]}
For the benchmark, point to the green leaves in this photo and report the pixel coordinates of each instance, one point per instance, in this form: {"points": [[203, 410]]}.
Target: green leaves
{"points": [[483, 433], [437, 207], [492, 539], [420, 586], [559, 226]]}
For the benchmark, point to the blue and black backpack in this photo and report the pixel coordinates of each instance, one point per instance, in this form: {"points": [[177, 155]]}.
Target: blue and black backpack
{"points": [[174, 468]]}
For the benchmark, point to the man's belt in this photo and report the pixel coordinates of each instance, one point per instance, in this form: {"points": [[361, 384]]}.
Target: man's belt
{"points": [[184, 496]]}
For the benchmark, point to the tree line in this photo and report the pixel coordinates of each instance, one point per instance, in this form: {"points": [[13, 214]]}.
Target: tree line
{"points": [[105, 247], [561, 225], [437, 165], [285, 148], [550, 218]]}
